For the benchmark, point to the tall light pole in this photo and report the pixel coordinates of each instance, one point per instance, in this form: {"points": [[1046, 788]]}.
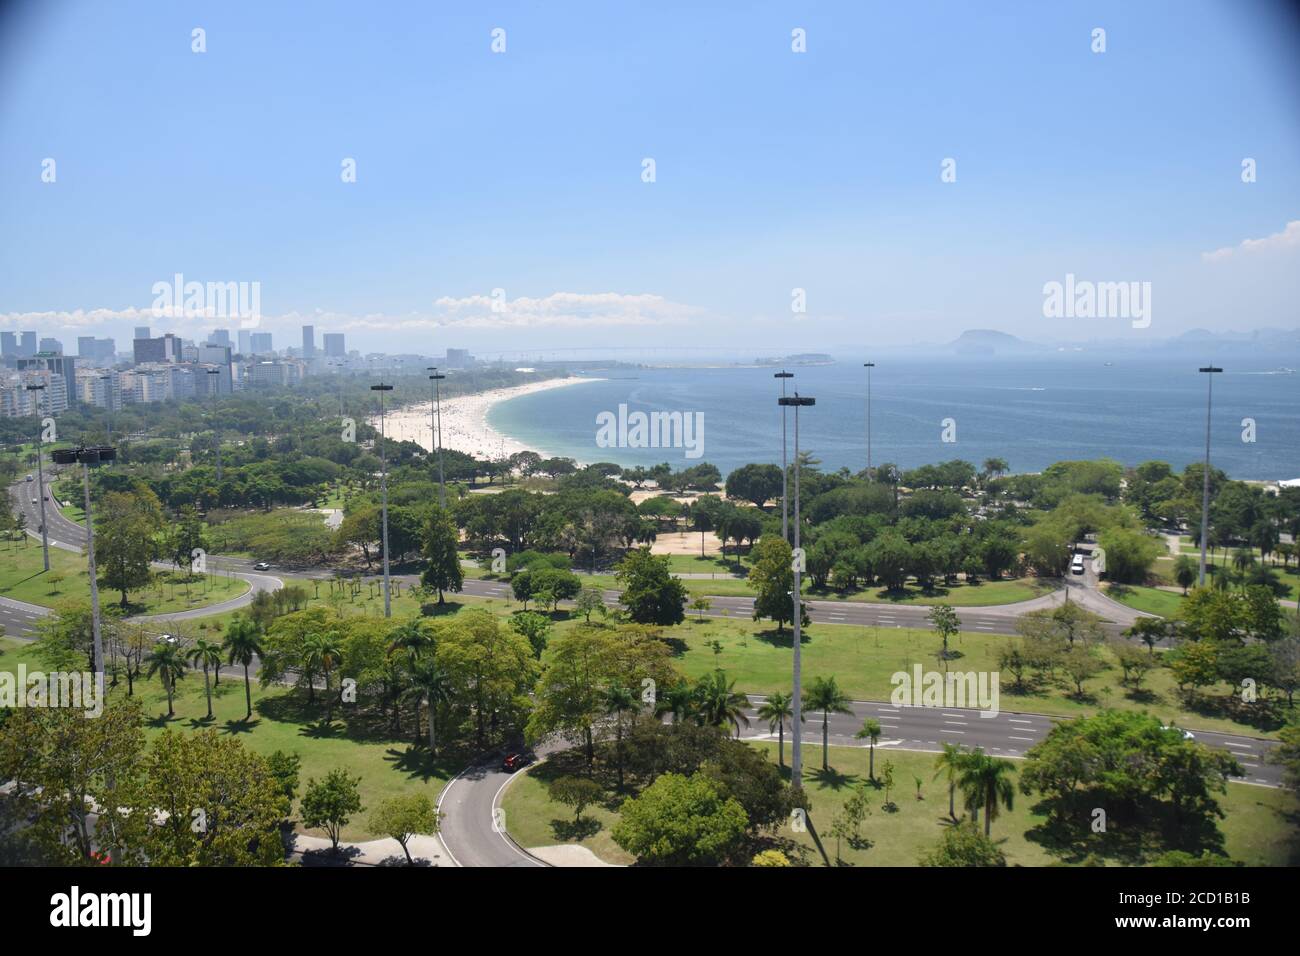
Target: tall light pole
{"points": [[435, 428], [1205, 479], [340, 366], [868, 366], [108, 402], [40, 473], [87, 457], [214, 388], [383, 482], [796, 740], [785, 467]]}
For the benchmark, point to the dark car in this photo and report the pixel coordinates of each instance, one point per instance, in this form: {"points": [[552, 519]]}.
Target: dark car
{"points": [[516, 760]]}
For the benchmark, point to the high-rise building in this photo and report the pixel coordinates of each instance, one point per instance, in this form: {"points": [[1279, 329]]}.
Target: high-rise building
{"points": [[165, 348], [245, 342], [217, 357], [60, 366], [93, 350], [219, 337], [9, 343], [54, 346], [334, 345], [459, 358], [308, 341], [28, 346], [142, 332], [260, 343]]}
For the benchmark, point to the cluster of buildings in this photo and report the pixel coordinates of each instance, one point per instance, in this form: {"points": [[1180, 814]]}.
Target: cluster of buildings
{"points": [[37, 377]]}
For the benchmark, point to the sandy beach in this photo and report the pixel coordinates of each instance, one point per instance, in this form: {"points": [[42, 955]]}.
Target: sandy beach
{"points": [[465, 426]]}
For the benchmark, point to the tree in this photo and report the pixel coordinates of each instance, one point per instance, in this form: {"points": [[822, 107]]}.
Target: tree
{"points": [[284, 769], [776, 709], [441, 537], [700, 605], [575, 792], [207, 655], [167, 660], [870, 732], [490, 671], [963, 845], [986, 782], [243, 643], [681, 821], [1080, 664], [1129, 554], [220, 803], [1287, 754], [772, 577], [125, 527], [651, 594], [536, 627], [429, 682], [330, 803], [322, 651], [1150, 631], [944, 620], [403, 817], [718, 703], [619, 701], [1185, 572], [755, 483], [825, 695], [950, 763], [588, 601]]}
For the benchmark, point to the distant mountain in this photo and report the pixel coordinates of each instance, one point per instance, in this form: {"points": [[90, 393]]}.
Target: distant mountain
{"points": [[991, 342]]}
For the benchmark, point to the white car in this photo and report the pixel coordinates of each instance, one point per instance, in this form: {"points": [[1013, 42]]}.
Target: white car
{"points": [[1076, 566], [261, 566], [30, 478], [1187, 734]]}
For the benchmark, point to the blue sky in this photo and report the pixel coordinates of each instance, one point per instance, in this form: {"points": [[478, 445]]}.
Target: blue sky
{"points": [[521, 171]]}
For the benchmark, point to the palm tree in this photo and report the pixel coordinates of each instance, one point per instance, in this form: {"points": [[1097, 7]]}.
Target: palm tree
{"points": [[428, 682], [1184, 572], [986, 782], [950, 763], [717, 702], [618, 700], [825, 695], [205, 654], [410, 638], [870, 731], [776, 710], [678, 700], [323, 651], [168, 662], [243, 643]]}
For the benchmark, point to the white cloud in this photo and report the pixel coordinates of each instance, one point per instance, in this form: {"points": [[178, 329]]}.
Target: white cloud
{"points": [[1287, 238]]}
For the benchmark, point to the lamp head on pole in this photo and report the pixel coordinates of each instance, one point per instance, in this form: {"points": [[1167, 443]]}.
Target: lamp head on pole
{"points": [[783, 374], [796, 400], [1208, 368]]}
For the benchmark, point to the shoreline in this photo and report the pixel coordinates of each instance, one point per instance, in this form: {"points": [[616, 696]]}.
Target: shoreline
{"points": [[465, 426]]}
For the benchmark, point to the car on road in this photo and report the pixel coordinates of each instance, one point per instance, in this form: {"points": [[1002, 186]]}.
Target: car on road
{"points": [[1187, 734], [30, 478], [34, 501], [1076, 566], [516, 760], [261, 566]]}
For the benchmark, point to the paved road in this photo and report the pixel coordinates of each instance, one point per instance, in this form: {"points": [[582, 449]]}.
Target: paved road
{"points": [[1009, 734], [468, 830]]}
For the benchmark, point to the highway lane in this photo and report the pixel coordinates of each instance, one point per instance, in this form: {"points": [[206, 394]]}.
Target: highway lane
{"points": [[1007, 734], [469, 828]]}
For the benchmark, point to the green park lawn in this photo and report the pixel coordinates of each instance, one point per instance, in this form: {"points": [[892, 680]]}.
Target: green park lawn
{"points": [[388, 765], [862, 660], [23, 578], [1259, 827], [1142, 598]]}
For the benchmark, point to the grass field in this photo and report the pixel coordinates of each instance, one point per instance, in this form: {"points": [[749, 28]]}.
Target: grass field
{"points": [[1151, 600], [1260, 826], [388, 766], [23, 578]]}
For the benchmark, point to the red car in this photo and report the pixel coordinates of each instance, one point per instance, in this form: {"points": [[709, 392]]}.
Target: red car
{"points": [[514, 761]]}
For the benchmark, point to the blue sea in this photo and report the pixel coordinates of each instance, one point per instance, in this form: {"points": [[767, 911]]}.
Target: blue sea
{"points": [[1030, 412]]}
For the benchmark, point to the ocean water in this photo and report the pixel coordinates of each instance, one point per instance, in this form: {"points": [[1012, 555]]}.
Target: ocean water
{"points": [[1030, 412]]}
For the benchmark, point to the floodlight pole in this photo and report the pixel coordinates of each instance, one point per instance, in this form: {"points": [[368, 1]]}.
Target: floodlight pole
{"points": [[40, 473], [1205, 478], [383, 481], [435, 429], [796, 739]]}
